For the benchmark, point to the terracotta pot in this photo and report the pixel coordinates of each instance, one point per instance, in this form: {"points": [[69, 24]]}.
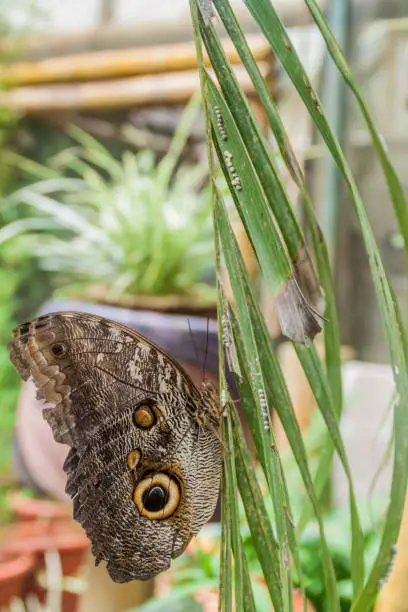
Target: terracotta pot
{"points": [[31, 508], [37, 538], [209, 600], [298, 602], [16, 570]]}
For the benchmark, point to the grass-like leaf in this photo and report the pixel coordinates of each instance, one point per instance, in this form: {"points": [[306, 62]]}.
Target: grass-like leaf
{"points": [[331, 330], [253, 332], [394, 184], [263, 205]]}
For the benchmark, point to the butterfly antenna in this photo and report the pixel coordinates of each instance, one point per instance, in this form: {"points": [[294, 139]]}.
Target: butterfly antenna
{"points": [[192, 340], [206, 346]]}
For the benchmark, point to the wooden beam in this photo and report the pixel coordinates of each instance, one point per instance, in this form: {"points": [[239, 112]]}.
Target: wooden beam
{"points": [[138, 33], [147, 90], [119, 63]]}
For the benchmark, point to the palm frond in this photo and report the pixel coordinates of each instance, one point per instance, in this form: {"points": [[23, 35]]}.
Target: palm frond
{"points": [[261, 200]]}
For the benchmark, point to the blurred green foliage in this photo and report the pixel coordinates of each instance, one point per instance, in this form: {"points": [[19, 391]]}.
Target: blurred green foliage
{"points": [[9, 381], [16, 301], [144, 226]]}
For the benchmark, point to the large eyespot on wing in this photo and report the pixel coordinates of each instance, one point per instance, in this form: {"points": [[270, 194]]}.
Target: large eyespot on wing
{"points": [[157, 496], [136, 516]]}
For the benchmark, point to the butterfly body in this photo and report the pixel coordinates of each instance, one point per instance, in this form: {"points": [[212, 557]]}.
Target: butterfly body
{"points": [[144, 465]]}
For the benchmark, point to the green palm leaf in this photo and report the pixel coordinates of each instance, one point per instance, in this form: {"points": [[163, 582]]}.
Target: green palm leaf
{"points": [[261, 201]]}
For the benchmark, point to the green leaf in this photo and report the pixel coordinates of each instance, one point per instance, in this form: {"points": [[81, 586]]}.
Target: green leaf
{"points": [[313, 370], [331, 334], [252, 326], [238, 134], [264, 540], [394, 184], [244, 599], [250, 201]]}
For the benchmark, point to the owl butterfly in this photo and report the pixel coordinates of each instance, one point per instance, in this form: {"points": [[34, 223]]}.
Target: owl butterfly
{"points": [[144, 466]]}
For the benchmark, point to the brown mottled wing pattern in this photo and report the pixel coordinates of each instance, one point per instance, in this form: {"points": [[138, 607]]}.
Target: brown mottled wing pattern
{"points": [[143, 470]]}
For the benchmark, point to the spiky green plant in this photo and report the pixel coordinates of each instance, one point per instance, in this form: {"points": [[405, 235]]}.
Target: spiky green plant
{"points": [[144, 225]]}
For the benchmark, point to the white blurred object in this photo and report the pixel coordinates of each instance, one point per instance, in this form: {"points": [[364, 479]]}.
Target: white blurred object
{"points": [[59, 16], [40, 457], [382, 60], [366, 427]]}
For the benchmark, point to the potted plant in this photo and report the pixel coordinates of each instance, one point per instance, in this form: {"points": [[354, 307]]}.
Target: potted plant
{"points": [[144, 225], [32, 529], [26, 544], [126, 235]]}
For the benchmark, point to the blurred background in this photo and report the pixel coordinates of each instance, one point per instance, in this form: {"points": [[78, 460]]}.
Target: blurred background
{"points": [[105, 208]]}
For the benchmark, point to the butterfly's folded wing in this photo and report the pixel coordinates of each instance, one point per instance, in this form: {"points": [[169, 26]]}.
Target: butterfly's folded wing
{"points": [[94, 374]]}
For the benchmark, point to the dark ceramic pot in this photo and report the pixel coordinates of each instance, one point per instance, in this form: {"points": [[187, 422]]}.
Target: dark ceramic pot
{"points": [[191, 340]]}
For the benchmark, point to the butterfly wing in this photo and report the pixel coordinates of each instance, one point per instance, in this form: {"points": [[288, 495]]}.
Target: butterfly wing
{"points": [[143, 474], [97, 358]]}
